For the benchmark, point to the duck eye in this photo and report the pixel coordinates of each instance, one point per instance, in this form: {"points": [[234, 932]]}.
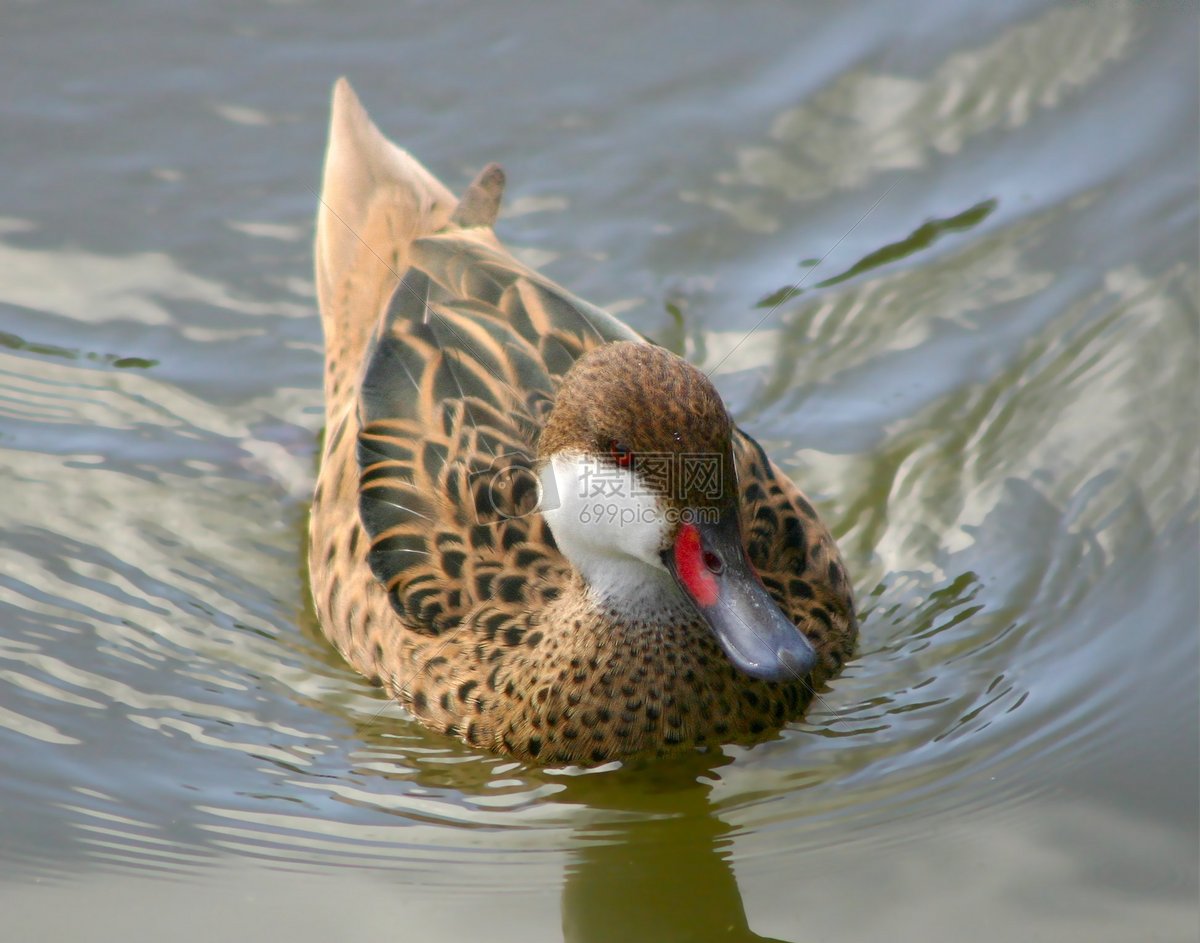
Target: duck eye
{"points": [[714, 563], [620, 452]]}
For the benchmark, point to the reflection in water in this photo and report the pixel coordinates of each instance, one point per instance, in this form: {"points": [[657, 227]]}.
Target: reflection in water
{"points": [[920, 238], [664, 874], [869, 123]]}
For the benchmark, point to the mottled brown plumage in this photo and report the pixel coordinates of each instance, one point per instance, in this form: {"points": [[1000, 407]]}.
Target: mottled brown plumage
{"points": [[453, 375]]}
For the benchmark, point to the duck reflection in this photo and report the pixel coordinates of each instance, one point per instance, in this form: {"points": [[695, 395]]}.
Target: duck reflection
{"points": [[659, 867]]}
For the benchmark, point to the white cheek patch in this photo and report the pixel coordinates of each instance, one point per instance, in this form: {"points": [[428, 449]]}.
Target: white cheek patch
{"points": [[609, 525]]}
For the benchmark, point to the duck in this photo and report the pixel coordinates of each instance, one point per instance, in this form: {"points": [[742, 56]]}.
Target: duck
{"points": [[535, 529]]}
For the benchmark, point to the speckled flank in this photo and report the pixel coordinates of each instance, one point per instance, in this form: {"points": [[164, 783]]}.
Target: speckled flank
{"points": [[452, 368]]}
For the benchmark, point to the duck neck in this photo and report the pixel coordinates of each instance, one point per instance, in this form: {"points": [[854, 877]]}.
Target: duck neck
{"points": [[627, 589]]}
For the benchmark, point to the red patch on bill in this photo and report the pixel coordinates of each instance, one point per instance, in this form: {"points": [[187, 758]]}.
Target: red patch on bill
{"points": [[695, 575]]}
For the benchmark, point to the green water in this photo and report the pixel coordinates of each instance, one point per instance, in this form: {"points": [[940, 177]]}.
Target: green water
{"points": [[943, 263]]}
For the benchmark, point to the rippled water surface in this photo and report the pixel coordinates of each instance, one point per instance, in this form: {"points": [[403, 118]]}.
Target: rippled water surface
{"points": [[943, 260]]}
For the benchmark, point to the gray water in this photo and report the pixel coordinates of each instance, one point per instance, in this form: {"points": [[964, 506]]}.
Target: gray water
{"points": [[988, 383]]}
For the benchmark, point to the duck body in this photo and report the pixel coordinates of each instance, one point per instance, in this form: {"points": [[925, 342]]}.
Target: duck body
{"points": [[536, 530]]}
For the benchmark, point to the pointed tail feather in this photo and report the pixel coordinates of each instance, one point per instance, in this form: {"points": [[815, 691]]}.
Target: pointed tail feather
{"points": [[375, 200]]}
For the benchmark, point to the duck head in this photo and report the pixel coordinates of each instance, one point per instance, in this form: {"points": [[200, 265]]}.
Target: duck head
{"points": [[639, 488]]}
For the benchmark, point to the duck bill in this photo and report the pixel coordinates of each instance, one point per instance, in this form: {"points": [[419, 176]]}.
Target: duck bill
{"points": [[710, 565]]}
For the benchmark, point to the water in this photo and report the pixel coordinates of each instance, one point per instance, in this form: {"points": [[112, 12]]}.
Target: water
{"points": [[944, 263]]}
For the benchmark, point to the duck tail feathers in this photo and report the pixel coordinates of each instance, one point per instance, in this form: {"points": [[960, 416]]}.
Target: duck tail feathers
{"points": [[375, 200]]}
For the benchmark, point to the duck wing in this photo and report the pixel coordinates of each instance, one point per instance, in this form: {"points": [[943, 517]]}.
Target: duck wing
{"points": [[794, 553], [459, 379]]}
